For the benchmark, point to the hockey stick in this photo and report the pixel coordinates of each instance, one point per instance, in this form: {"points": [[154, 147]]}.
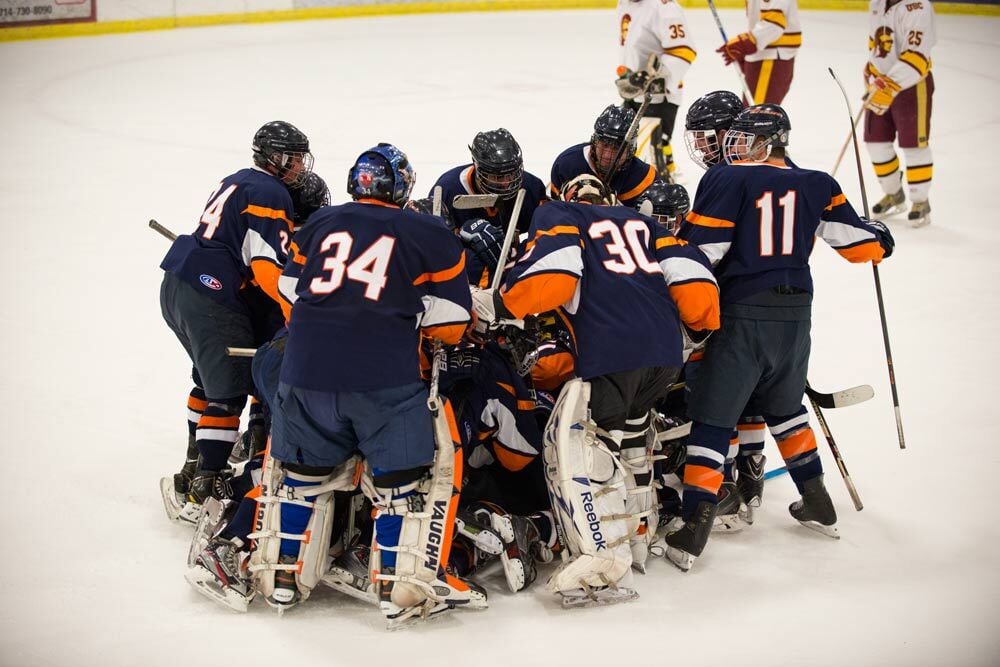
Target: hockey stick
{"points": [[725, 40], [842, 398], [633, 128], [847, 139], [878, 282], [241, 351], [155, 226], [836, 455], [508, 239], [466, 202], [436, 205]]}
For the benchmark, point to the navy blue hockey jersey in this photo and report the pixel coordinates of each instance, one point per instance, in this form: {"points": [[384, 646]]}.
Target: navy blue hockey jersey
{"points": [[462, 181], [365, 278], [242, 236], [618, 279], [758, 223], [628, 183]]}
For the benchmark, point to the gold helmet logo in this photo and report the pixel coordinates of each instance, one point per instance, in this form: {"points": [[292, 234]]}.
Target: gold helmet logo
{"points": [[623, 28], [883, 42]]}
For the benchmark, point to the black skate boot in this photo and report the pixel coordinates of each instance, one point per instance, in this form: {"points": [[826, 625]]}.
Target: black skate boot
{"points": [[250, 443], [920, 214], [218, 574], [729, 510], [286, 591], [475, 525], [174, 489], [182, 479], [209, 484], [687, 543], [889, 205], [750, 482], [815, 509]]}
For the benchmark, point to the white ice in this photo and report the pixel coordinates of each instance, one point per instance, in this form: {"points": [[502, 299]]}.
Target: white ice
{"points": [[100, 134]]}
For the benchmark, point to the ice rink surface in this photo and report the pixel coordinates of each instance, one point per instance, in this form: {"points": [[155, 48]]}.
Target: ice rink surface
{"points": [[100, 134]]}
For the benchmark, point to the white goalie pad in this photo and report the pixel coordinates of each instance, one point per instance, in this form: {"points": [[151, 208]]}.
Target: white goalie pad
{"points": [[312, 562], [587, 487], [418, 587], [641, 504], [645, 148]]}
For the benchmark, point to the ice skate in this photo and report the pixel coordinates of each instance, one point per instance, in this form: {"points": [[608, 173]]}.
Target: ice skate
{"points": [[518, 533], [286, 592], [176, 504], [475, 526], [218, 574], [920, 214], [686, 544], [729, 510], [750, 483], [889, 205], [815, 509], [598, 596], [348, 574]]}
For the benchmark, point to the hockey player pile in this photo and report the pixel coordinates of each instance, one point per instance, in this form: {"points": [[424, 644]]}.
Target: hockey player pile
{"points": [[507, 378]]}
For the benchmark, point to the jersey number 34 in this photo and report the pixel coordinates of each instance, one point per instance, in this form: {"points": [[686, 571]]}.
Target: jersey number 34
{"points": [[368, 268]]}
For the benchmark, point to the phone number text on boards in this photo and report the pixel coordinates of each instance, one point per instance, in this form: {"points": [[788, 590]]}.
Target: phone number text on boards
{"points": [[17, 12]]}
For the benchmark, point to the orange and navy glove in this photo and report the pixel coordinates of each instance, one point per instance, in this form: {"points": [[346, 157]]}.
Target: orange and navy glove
{"points": [[882, 92], [738, 48]]}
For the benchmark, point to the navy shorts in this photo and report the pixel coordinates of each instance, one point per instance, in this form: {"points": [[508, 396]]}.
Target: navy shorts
{"points": [[756, 361], [206, 328], [391, 427]]}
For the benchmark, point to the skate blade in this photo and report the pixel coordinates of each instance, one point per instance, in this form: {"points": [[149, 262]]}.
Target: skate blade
{"points": [[177, 510], [747, 514], [207, 585], [281, 607], [920, 222], [410, 616], [730, 523], [829, 531], [346, 583], [681, 559], [601, 598], [639, 567], [513, 572], [888, 213]]}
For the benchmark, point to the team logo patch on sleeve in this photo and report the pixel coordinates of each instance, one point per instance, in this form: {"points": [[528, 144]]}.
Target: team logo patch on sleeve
{"points": [[210, 282]]}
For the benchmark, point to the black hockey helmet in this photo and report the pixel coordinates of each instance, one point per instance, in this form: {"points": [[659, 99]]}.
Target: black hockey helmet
{"points": [[706, 123], [309, 197], [426, 205], [587, 189], [499, 165], [714, 111], [610, 132], [755, 131], [668, 203], [282, 149]]}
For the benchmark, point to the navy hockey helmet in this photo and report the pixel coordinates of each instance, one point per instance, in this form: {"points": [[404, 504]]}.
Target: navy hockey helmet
{"points": [[610, 132], [309, 197], [706, 124], [499, 165], [587, 189], [426, 205], [754, 132], [667, 203], [282, 149], [383, 173]]}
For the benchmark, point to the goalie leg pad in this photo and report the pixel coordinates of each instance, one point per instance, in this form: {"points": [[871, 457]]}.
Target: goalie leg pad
{"points": [[587, 488], [641, 501], [294, 521]]}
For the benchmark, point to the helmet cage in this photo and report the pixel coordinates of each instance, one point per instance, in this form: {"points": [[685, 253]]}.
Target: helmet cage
{"points": [[740, 146], [703, 147]]}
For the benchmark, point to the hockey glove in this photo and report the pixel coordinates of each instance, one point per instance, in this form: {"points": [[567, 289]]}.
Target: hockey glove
{"points": [[484, 240], [881, 93], [738, 48], [631, 84], [883, 236]]}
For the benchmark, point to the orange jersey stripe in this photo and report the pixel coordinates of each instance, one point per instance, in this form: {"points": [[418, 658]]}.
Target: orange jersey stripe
{"points": [[555, 231], [552, 370], [449, 334], [708, 221], [218, 422], [799, 443], [645, 183], [265, 212], [442, 276], [267, 274], [540, 292], [698, 303], [866, 252], [836, 201], [512, 461], [703, 477]]}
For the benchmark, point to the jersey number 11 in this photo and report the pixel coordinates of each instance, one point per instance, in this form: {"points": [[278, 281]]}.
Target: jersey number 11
{"points": [[766, 206]]}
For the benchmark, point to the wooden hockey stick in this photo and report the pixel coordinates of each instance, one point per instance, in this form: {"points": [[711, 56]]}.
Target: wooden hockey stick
{"points": [[847, 140], [508, 239], [633, 128], [725, 40], [878, 282], [466, 202], [436, 202], [155, 226], [836, 455], [241, 351]]}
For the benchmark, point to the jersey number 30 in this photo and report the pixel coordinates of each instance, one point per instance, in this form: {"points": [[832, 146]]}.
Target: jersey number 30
{"points": [[766, 206], [628, 251], [369, 268]]}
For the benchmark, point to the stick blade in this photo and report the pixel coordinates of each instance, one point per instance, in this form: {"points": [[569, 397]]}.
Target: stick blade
{"points": [[466, 202]]}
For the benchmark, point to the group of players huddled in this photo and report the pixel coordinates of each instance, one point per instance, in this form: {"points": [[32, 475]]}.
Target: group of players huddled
{"points": [[499, 376]]}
